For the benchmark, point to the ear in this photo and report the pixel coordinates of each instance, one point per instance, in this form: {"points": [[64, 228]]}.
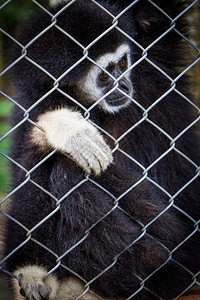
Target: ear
{"points": [[149, 18], [153, 20]]}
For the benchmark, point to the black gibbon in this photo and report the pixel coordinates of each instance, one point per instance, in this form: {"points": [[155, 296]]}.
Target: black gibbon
{"points": [[112, 206]]}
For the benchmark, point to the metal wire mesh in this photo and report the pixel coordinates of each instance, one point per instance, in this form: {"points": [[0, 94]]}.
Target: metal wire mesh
{"points": [[87, 113]]}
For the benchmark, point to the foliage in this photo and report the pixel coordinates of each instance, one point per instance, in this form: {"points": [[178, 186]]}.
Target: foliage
{"points": [[16, 12], [5, 179], [12, 14]]}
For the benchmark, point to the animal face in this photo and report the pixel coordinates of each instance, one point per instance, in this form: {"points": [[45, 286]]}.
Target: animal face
{"points": [[108, 81]]}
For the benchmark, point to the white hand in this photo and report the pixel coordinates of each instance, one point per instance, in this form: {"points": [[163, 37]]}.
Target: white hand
{"points": [[74, 136], [33, 285]]}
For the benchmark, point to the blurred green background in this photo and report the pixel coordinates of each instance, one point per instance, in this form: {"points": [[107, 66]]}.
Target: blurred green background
{"points": [[12, 15], [16, 12]]}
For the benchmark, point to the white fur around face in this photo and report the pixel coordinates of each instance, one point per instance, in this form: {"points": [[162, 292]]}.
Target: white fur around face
{"points": [[89, 84], [53, 3], [68, 132], [104, 60]]}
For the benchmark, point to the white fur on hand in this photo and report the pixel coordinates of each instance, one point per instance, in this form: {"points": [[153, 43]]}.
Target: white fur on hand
{"points": [[33, 285], [74, 136]]}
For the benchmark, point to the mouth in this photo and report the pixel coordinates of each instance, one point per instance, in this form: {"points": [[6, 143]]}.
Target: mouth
{"points": [[117, 101]]}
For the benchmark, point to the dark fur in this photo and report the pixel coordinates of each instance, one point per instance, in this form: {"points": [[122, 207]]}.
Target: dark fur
{"points": [[87, 204]]}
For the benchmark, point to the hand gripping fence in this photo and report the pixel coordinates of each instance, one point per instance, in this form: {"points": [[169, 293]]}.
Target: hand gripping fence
{"points": [[6, 95]]}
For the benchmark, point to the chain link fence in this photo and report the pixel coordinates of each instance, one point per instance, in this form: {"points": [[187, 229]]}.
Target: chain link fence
{"points": [[191, 61]]}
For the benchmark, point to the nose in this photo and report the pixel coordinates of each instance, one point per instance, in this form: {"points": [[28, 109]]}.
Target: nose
{"points": [[125, 85]]}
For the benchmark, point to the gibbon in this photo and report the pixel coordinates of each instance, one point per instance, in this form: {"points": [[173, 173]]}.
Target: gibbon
{"points": [[111, 206]]}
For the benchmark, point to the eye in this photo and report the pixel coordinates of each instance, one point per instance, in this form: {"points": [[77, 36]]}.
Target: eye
{"points": [[122, 63], [103, 76]]}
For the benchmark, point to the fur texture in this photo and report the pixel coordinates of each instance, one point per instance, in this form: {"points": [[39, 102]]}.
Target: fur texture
{"points": [[34, 286], [88, 85], [147, 261], [72, 135]]}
